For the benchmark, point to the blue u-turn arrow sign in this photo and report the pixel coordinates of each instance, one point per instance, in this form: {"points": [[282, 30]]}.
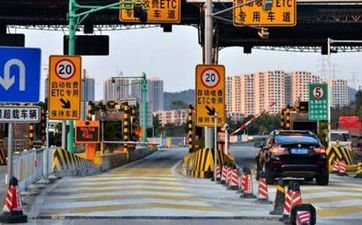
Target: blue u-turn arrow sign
{"points": [[19, 75]]}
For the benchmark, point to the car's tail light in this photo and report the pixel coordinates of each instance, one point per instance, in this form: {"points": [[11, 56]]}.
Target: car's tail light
{"points": [[320, 150], [277, 150]]}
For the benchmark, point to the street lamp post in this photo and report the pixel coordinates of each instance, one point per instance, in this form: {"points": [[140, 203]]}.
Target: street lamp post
{"points": [[75, 19], [329, 83]]}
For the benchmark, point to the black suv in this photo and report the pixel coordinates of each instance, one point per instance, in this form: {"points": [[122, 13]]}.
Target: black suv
{"points": [[292, 153]]}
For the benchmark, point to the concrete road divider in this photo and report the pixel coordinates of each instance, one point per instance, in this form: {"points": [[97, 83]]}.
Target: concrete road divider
{"points": [[359, 170], [279, 198], [338, 152], [200, 164], [13, 210], [303, 214]]}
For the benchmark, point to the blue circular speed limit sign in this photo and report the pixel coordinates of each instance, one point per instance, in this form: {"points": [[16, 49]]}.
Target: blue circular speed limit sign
{"points": [[318, 92]]}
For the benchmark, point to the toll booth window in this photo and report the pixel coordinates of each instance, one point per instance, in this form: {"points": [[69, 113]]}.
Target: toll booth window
{"points": [[340, 137]]}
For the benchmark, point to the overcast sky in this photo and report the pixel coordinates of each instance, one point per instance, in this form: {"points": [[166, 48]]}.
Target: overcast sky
{"points": [[173, 56]]}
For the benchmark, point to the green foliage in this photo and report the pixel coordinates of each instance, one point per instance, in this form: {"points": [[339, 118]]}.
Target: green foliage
{"points": [[263, 125], [178, 104]]}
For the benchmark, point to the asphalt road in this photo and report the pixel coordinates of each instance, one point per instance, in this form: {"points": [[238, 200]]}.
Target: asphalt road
{"points": [[152, 191]]}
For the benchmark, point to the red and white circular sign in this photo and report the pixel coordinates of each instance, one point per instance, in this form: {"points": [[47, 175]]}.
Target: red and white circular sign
{"points": [[210, 78], [65, 69], [318, 92]]}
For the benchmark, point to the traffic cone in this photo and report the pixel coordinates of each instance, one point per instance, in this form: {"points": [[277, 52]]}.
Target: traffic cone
{"points": [[233, 185], [279, 198], [223, 174], [335, 167], [288, 202], [240, 181], [263, 191], [228, 176], [303, 214], [248, 188], [13, 210], [296, 199], [342, 169], [243, 179], [218, 173], [359, 170]]}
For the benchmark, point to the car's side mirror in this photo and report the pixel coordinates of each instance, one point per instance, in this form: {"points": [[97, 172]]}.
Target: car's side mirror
{"points": [[258, 144]]}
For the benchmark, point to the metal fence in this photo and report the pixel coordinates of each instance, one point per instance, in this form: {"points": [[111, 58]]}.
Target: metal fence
{"points": [[33, 165]]}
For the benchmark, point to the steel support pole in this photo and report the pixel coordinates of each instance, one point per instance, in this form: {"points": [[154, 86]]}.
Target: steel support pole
{"points": [[71, 51], [329, 83], [10, 152], [208, 34], [144, 103], [215, 145]]}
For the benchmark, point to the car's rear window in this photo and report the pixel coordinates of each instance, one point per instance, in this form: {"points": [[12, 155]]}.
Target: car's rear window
{"points": [[295, 139]]}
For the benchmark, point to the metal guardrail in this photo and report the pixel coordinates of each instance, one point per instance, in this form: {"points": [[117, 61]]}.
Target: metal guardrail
{"points": [[33, 165]]}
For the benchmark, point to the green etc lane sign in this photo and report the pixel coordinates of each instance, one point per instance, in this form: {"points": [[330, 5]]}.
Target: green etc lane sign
{"points": [[318, 102]]}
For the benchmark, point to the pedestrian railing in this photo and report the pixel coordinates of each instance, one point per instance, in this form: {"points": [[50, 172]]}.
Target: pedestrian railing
{"points": [[31, 166]]}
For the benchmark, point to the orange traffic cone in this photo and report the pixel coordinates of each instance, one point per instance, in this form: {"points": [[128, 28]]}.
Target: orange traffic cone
{"points": [[335, 167], [233, 185], [342, 169], [13, 210], [248, 188], [263, 190]]}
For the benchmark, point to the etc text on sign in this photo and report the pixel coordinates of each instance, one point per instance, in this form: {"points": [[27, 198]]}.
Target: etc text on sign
{"points": [[19, 75], [210, 95], [64, 87], [158, 11], [318, 102], [282, 13]]}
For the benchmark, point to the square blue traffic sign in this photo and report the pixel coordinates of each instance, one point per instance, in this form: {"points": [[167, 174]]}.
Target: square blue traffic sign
{"points": [[19, 75]]}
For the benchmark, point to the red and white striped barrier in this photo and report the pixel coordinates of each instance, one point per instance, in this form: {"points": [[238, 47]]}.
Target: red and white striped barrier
{"points": [[248, 186], [303, 218], [342, 169], [223, 175], [335, 167], [233, 185], [228, 176], [218, 172], [263, 191]]}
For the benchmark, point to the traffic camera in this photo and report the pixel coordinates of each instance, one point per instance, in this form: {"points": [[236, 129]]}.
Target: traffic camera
{"points": [[263, 33], [267, 5]]}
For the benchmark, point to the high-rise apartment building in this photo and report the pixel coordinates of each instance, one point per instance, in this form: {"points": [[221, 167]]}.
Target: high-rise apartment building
{"points": [[88, 89], [339, 92], [116, 88], [154, 92], [299, 82], [252, 93], [228, 94], [269, 88]]}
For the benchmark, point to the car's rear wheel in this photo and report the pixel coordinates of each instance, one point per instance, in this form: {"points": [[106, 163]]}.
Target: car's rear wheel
{"points": [[323, 178]]}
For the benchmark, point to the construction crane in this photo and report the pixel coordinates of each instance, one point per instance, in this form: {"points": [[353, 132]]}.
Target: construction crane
{"points": [[254, 117]]}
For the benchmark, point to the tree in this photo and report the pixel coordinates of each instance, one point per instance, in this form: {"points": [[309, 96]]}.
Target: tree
{"points": [[178, 104]]}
